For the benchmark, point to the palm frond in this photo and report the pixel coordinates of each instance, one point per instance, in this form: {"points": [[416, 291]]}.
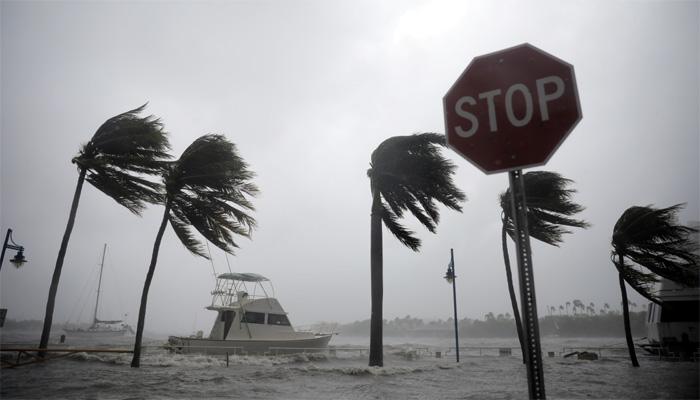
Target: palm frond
{"points": [[128, 190], [411, 175], [642, 282], [209, 189], [181, 228], [652, 239], [123, 147], [130, 142], [404, 235], [550, 207]]}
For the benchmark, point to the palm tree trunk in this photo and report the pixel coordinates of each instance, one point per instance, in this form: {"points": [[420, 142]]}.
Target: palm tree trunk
{"points": [[511, 291], [136, 361], [376, 356], [53, 289], [626, 317]]}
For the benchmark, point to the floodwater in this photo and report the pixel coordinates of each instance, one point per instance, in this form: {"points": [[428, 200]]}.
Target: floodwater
{"points": [[411, 371]]}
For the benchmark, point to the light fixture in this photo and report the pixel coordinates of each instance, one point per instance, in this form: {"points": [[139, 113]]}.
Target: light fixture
{"points": [[19, 258]]}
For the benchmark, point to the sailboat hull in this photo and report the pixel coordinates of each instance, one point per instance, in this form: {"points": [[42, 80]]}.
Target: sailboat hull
{"points": [[88, 333]]}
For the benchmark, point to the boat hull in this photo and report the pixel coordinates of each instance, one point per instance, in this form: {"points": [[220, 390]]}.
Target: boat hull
{"points": [[186, 345]]}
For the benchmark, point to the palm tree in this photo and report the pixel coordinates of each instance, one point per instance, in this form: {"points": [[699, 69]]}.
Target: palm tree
{"points": [[561, 308], [122, 148], [568, 304], [407, 173], [578, 304], [549, 210], [208, 189], [649, 244]]}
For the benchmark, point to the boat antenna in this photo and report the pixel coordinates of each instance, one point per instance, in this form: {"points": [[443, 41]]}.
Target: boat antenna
{"points": [[99, 284], [227, 263], [210, 260]]}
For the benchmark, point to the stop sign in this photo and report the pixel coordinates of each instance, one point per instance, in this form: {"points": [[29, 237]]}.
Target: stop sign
{"points": [[511, 109]]}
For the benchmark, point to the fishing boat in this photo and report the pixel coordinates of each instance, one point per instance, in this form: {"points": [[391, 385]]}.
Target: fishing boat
{"points": [[100, 328], [249, 320], [672, 325]]}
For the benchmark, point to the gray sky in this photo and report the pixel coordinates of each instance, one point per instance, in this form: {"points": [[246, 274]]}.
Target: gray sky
{"points": [[307, 89]]}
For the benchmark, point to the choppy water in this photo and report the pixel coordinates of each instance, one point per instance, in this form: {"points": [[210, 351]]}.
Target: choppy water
{"points": [[346, 375]]}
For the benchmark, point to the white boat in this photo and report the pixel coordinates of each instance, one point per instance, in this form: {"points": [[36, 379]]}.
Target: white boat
{"points": [[100, 329], [672, 326], [249, 320]]}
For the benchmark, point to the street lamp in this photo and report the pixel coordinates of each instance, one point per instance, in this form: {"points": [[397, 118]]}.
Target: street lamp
{"points": [[19, 258], [450, 277]]}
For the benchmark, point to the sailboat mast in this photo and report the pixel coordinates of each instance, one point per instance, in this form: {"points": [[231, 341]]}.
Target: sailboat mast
{"points": [[99, 283]]}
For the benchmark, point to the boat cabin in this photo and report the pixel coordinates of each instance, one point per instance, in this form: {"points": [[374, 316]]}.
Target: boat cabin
{"points": [[246, 309], [674, 323]]}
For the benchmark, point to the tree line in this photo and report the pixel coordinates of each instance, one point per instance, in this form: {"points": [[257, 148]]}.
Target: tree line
{"points": [[502, 326]]}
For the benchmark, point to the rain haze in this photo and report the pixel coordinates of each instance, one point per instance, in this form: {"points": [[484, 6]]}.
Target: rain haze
{"points": [[307, 90]]}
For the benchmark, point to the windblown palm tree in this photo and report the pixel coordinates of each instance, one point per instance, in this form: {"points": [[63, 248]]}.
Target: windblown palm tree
{"points": [[208, 188], [124, 147], [549, 209], [648, 243], [407, 173]]}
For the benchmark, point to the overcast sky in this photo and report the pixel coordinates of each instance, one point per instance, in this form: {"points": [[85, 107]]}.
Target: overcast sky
{"points": [[307, 90]]}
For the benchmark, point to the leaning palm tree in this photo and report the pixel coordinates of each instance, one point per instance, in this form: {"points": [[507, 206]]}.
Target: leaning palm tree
{"points": [[124, 147], [208, 188], [549, 209], [407, 173], [648, 244]]}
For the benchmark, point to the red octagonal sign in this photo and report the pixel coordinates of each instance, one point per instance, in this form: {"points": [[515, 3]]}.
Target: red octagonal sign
{"points": [[511, 109]]}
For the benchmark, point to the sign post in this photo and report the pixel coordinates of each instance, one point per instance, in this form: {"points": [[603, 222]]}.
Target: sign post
{"points": [[511, 110], [526, 278]]}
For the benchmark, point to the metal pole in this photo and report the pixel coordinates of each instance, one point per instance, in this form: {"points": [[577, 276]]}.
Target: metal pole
{"points": [[454, 299], [4, 246], [99, 284], [533, 353]]}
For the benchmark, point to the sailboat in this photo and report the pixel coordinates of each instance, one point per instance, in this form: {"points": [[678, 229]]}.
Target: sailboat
{"points": [[100, 328]]}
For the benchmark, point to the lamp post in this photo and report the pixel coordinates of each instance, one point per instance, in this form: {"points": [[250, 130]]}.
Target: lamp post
{"points": [[450, 277], [19, 258]]}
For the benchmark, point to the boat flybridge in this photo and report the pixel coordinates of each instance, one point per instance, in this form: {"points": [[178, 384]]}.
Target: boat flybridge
{"points": [[249, 320]]}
